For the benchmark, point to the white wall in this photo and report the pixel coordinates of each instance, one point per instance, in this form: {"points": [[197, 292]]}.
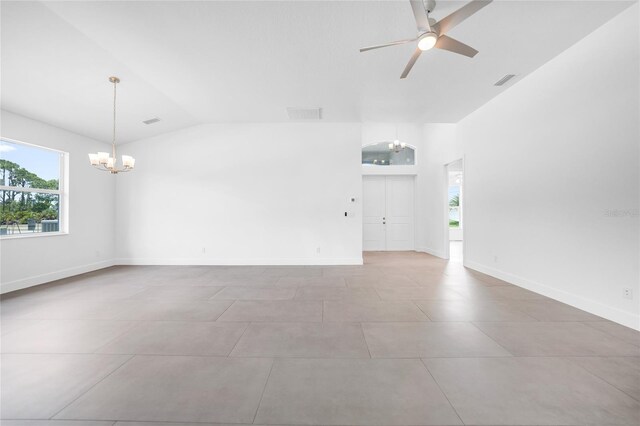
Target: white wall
{"points": [[89, 244], [439, 148], [243, 194], [545, 164]]}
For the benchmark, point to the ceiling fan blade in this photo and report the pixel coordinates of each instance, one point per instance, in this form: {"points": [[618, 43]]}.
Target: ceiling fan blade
{"points": [[412, 61], [393, 43], [452, 45], [422, 20], [447, 23]]}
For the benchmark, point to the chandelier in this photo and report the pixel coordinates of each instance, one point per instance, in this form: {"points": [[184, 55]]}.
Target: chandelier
{"points": [[102, 160], [397, 146]]}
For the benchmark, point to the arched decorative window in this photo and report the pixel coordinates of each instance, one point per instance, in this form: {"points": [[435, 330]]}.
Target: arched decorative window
{"points": [[388, 154]]}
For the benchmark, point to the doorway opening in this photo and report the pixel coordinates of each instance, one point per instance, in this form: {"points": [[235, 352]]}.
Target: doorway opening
{"points": [[454, 222]]}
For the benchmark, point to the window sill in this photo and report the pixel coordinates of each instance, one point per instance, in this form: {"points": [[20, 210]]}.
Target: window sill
{"points": [[32, 235]]}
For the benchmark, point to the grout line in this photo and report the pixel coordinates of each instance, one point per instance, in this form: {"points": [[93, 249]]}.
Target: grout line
{"points": [[220, 289], [441, 391], [364, 336], [378, 293], [191, 355], [273, 361], [295, 294], [491, 338], [134, 325], [228, 307], [422, 310], [238, 341], [166, 422], [587, 323], [568, 359], [91, 387]]}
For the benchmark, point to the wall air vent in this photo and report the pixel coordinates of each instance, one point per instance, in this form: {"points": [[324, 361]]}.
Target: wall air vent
{"points": [[304, 114], [504, 80], [151, 120]]}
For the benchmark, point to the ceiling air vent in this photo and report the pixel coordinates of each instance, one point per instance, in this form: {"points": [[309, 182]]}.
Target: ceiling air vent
{"points": [[504, 80], [151, 120], [304, 113]]}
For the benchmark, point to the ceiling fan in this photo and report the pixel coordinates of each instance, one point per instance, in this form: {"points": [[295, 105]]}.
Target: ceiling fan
{"points": [[433, 34]]}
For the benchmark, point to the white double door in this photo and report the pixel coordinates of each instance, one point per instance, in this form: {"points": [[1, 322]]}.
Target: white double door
{"points": [[388, 213]]}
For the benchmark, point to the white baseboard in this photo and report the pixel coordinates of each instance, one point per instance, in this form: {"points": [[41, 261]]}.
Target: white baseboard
{"points": [[65, 273], [625, 318], [241, 262], [52, 276], [432, 252]]}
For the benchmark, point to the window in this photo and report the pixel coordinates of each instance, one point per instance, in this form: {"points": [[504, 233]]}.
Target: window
{"points": [[454, 207], [379, 154], [455, 202], [32, 190]]}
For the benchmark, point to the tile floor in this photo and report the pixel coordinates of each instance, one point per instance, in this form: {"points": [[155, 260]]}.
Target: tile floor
{"points": [[406, 339]]}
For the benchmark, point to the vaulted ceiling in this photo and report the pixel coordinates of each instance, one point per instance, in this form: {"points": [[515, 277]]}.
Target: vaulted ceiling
{"points": [[216, 62]]}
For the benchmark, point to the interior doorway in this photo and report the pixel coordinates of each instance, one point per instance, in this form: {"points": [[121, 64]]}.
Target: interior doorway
{"points": [[388, 213], [454, 222]]}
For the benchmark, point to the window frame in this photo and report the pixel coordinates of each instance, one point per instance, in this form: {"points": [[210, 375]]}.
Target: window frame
{"points": [[62, 192]]}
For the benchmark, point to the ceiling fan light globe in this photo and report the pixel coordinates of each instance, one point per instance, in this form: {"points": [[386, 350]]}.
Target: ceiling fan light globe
{"points": [[427, 41]]}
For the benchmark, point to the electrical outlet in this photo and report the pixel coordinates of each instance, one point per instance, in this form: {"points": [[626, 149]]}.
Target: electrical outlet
{"points": [[495, 259], [318, 250], [204, 250], [627, 293]]}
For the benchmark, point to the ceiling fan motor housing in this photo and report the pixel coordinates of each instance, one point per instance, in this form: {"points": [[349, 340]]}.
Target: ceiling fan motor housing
{"points": [[429, 5]]}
